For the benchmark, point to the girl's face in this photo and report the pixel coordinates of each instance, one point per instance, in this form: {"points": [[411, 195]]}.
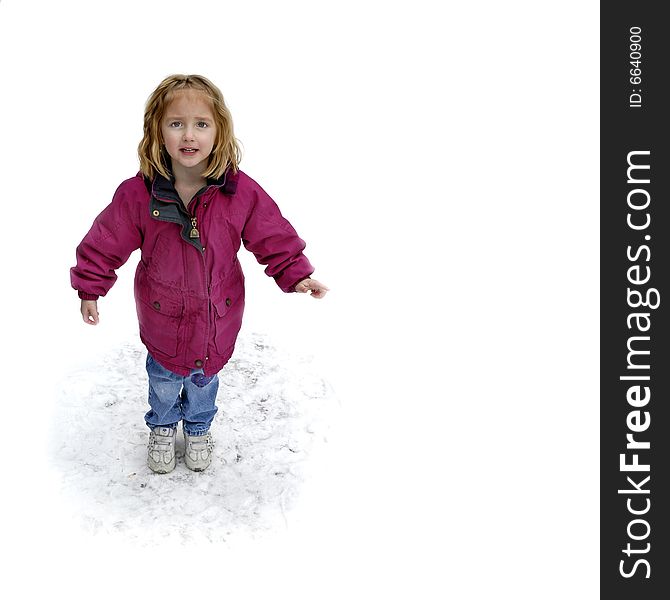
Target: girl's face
{"points": [[189, 132]]}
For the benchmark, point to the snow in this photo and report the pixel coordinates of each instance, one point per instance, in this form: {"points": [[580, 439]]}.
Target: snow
{"points": [[273, 410]]}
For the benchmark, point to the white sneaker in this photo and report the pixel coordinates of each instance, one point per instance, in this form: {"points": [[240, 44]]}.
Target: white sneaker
{"points": [[198, 451], [161, 457]]}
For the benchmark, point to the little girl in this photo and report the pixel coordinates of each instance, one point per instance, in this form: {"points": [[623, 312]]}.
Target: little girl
{"points": [[188, 210]]}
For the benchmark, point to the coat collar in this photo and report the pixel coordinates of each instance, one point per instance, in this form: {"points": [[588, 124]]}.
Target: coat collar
{"points": [[164, 188]]}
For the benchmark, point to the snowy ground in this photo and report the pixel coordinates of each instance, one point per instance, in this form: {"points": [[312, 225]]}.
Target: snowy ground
{"points": [[273, 412]]}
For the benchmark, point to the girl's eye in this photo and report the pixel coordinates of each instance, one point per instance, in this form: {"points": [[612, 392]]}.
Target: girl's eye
{"points": [[202, 124], [174, 124]]}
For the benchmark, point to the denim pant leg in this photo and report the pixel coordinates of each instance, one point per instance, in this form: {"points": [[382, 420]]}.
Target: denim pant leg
{"points": [[198, 402], [164, 400]]}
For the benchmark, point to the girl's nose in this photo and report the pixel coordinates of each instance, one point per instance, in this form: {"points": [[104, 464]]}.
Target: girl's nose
{"points": [[188, 133]]}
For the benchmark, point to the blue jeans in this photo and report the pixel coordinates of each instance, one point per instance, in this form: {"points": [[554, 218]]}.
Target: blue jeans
{"points": [[173, 398]]}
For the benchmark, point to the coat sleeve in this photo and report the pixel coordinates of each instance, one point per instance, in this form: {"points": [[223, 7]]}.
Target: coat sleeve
{"points": [[114, 235], [274, 242]]}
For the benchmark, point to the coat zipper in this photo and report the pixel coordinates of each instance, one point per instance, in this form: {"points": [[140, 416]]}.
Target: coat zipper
{"points": [[194, 233]]}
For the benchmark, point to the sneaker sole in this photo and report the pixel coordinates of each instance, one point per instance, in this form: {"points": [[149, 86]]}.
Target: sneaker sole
{"points": [[162, 469], [195, 467]]}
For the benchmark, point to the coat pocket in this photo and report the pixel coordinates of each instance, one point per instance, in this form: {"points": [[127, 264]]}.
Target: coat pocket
{"points": [[228, 311], [160, 317]]}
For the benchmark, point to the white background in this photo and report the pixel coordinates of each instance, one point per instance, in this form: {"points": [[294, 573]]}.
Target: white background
{"points": [[441, 160]]}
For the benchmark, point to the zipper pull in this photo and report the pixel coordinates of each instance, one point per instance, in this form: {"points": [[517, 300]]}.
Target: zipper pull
{"points": [[194, 233]]}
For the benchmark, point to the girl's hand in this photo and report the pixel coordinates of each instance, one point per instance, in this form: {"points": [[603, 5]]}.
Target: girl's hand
{"points": [[89, 311], [317, 289]]}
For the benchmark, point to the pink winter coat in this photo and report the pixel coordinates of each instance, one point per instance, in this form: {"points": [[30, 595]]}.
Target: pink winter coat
{"points": [[189, 285]]}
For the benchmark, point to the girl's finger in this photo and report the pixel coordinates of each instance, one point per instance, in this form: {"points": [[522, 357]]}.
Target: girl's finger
{"points": [[91, 317]]}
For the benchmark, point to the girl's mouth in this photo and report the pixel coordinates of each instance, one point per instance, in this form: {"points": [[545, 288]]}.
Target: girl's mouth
{"points": [[188, 150]]}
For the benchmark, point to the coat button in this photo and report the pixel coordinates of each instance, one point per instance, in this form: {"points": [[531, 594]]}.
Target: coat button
{"points": [[228, 302], [157, 305], [198, 363], [156, 213]]}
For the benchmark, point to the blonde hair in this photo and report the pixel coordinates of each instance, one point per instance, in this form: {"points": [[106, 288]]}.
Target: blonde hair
{"points": [[153, 159]]}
